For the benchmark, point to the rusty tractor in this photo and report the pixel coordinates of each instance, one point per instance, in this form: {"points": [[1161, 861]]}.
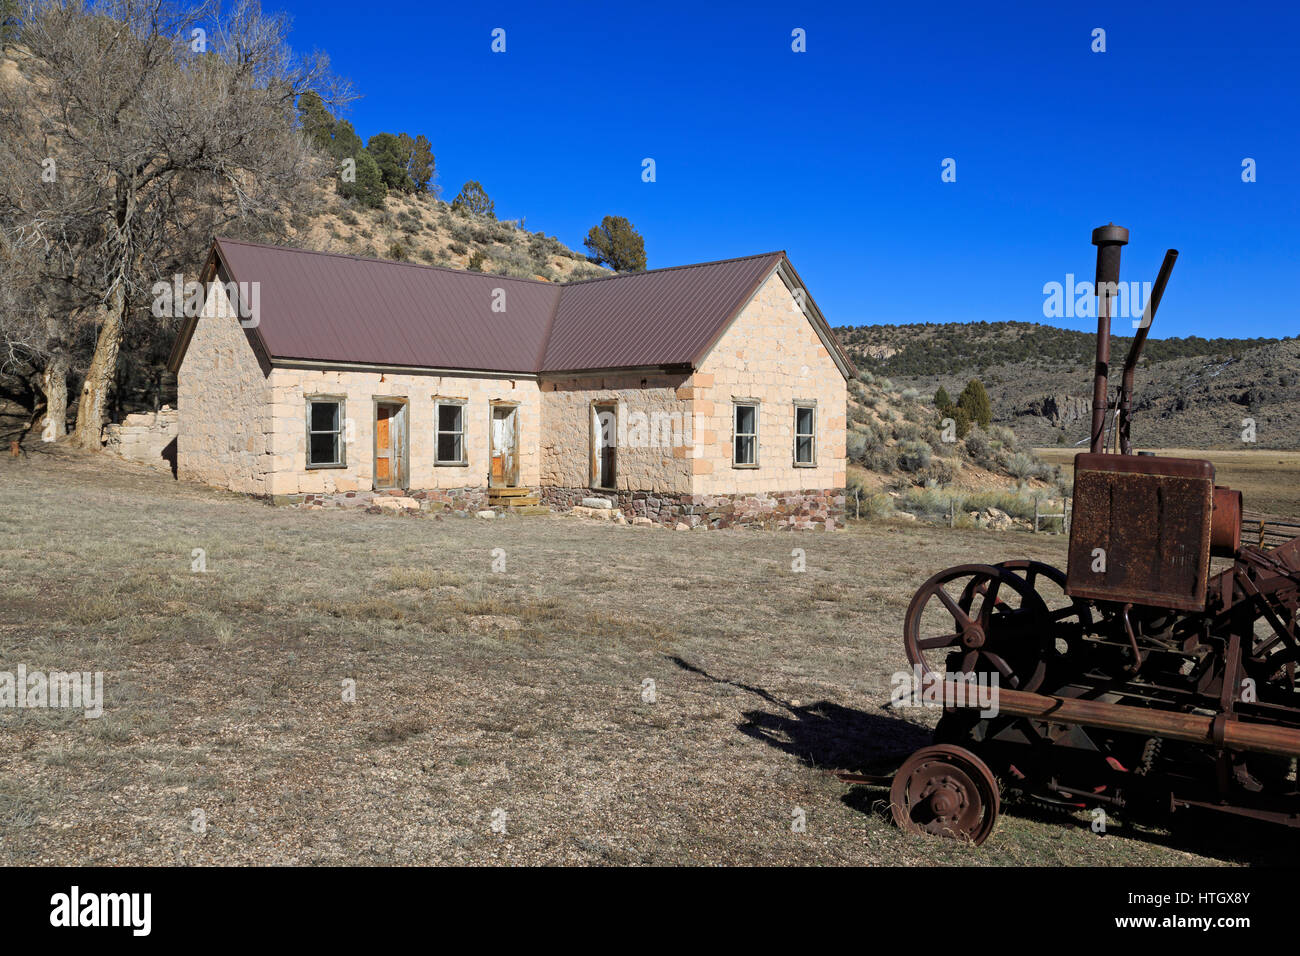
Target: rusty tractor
{"points": [[1156, 673]]}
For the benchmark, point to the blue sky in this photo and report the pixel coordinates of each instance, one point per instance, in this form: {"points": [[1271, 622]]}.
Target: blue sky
{"points": [[835, 154]]}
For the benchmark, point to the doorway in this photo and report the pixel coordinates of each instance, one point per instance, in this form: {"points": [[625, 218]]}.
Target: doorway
{"points": [[604, 445], [505, 445], [391, 445]]}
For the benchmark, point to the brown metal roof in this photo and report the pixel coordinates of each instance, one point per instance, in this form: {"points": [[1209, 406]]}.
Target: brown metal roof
{"points": [[662, 317], [335, 308], [326, 307]]}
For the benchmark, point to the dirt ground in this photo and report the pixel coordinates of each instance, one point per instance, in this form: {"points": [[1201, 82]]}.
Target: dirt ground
{"points": [[499, 714]]}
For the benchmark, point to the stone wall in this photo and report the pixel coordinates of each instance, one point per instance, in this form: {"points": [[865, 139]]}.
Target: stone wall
{"points": [[289, 391], [645, 461], [772, 354], [818, 509], [457, 502], [148, 437], [224, 404]]}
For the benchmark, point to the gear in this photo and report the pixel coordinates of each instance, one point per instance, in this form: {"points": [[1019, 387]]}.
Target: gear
{"points": [[1053, 804], [1150, 754]]}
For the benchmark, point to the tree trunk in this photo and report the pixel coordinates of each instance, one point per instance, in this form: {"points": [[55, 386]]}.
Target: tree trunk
{"points": [[54, 386], [100, 375]]}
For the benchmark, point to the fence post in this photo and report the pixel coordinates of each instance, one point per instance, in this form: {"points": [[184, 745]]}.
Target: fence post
{"points": [[857, 499]]}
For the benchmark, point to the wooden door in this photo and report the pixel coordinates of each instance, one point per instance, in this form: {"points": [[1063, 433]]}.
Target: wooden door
{"points": [[390, 445], [384, 446], [505, 440]]}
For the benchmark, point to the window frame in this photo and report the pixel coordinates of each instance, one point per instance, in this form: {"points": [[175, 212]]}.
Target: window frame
{"points": [[736, 404], [811, 406], [439, 462], [341, 402]]}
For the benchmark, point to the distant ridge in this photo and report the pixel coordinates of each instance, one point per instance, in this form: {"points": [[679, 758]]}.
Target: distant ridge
{"points": [[1191, 391]]}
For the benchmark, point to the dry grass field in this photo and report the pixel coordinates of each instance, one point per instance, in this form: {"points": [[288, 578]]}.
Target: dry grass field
{"points": [[476, 690], [1268, 480]]}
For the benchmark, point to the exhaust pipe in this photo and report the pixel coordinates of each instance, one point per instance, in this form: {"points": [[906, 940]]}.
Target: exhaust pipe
{"points": [[1108, 239]]}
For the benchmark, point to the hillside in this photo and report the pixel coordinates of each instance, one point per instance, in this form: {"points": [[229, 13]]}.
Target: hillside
{"points": [[412, 226], [1190, 392], [418, 227], [902, 463]]}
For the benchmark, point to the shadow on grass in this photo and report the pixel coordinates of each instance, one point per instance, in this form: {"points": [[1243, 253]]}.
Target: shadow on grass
{"points": [[1226, 837], [825, 735], [829, 736]]}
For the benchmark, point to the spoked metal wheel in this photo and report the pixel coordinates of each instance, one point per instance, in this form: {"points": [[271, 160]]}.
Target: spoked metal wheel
{"points": [[1048, 583], [946, 791], [978, 618], [1068, 617]]}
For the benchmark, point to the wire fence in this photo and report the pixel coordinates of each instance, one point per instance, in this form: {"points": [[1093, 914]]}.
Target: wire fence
{"points": [[955, 508]]}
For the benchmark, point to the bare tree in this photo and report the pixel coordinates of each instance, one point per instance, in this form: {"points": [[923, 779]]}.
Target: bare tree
{"points": [[42, 251], [161, 125], [30, 333]]}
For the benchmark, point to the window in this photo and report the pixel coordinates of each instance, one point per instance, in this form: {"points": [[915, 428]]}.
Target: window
{"points": [[805, 443], [324, 432], [745, 435], [451, 434]]}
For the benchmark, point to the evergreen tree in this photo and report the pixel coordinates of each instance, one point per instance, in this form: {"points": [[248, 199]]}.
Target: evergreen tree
{"points": [[975, 401], [346, 144], [419, 162], [617, 244], [368, 188], [948, 409], [474, 199], [364, 182], [961, 418], [316, 122], [388, 153]]}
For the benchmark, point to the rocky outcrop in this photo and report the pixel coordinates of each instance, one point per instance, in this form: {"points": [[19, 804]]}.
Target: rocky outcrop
{"points": [[1060, 409], [878, 352]]}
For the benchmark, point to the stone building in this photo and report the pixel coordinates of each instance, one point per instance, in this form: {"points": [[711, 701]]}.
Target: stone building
{"points": [[711, 394]]}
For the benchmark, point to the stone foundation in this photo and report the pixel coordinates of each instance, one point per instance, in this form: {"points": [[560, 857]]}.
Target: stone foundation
{"points": [[820, 510], [813, 510], [458, 502]]}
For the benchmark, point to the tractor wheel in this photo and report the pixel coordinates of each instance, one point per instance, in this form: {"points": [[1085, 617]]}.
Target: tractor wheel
{"points": [[1070, 618], [1008, 634], [947, 791], [1048, 583]]}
